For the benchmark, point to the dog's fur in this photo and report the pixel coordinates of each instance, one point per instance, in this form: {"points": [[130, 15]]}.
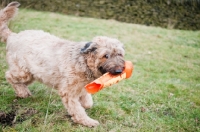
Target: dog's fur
{"points": [[64, 65]]}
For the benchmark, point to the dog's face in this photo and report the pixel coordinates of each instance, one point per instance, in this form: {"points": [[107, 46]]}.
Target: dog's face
{"points": [[103, 55]]}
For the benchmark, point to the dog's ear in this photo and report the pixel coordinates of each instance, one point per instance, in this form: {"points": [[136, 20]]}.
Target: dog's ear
{"points": [[89, 47]]}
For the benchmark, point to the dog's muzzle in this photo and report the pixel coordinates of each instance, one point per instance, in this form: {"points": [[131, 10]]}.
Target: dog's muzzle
{"points": [[114, 71]]}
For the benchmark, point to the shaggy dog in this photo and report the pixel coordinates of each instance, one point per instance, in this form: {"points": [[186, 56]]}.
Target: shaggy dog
{"points": [[64, 65]]}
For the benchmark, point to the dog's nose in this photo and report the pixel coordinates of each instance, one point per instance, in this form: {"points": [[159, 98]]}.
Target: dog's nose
{"points": [[118, 71]]}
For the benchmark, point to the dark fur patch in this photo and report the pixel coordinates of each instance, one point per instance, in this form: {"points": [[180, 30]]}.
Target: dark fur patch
{"points": [[86, 48]]}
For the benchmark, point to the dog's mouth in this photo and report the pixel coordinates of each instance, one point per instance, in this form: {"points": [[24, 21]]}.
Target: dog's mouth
{"points": [[113, 71], [102, 70]]}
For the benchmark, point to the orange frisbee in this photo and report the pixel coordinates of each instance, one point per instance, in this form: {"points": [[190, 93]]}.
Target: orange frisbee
{"points": [[108, 79]]}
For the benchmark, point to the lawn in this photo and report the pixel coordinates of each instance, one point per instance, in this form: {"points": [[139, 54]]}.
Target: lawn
{"points": [[162, 95]]}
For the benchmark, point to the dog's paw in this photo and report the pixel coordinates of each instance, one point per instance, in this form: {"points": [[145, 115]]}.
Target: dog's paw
{"points": [[23, 94], [87, 122], [91, 123]]}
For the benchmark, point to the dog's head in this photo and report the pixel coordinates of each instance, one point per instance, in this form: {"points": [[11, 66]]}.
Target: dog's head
{"points": [[103, 55]]}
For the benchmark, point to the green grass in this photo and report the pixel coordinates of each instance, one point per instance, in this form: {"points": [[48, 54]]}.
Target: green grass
{"points": [[162, 95]]}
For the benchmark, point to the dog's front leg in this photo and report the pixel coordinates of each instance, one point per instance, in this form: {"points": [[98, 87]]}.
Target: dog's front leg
{"points": [[75, 109], [86, 100]]}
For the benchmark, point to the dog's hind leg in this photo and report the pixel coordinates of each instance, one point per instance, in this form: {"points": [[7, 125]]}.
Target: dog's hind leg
{"points": [[19, 80]]}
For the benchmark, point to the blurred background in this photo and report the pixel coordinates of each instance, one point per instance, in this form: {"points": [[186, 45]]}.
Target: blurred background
{"points": [[171, 14]]}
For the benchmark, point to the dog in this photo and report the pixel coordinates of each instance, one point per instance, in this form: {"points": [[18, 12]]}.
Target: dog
{"points": [[64, 65]]}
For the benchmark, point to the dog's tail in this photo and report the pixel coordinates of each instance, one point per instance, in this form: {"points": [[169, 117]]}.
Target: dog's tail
{"points": [[6, 15]]}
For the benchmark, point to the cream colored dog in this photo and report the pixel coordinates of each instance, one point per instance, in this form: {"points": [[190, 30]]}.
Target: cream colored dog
{"points": [[64, 65]]}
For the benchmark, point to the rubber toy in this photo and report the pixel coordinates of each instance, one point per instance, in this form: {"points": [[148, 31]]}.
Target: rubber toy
{"points": [[108, 79]]}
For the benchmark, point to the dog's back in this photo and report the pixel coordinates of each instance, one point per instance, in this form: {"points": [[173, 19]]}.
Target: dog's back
{"points": [[37, 52]]}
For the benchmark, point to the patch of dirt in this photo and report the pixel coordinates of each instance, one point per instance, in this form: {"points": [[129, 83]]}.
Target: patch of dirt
{"points": [[24, 114], [17, 115], [6, 119]]}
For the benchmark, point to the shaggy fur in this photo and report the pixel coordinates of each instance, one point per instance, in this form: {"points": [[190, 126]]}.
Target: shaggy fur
{"points": [[64, 65]]}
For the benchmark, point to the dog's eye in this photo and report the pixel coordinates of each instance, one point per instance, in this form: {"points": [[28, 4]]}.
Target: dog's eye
{"points": [[106, 56]]}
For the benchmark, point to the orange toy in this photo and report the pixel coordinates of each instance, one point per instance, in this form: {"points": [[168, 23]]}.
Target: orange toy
{"points": [[107, 79]]}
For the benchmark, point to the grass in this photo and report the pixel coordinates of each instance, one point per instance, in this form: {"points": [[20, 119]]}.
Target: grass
{"points": [[162, 95]]}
